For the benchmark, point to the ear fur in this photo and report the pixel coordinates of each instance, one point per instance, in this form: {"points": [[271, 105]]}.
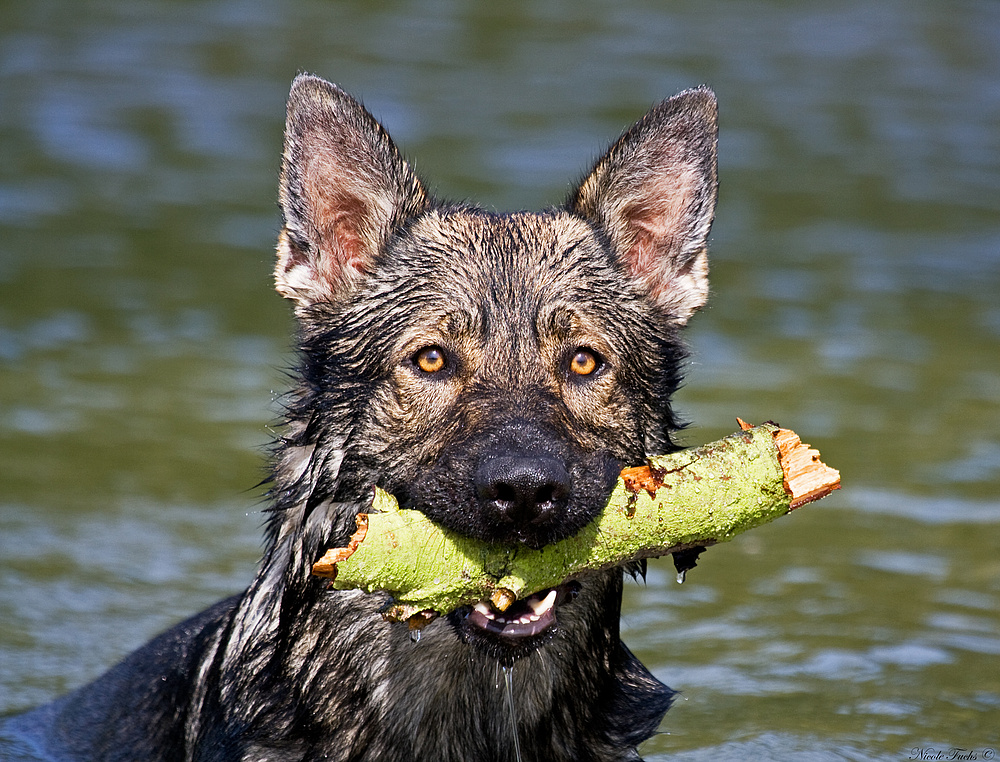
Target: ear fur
{"points": [[654, 194], [344, 189]]}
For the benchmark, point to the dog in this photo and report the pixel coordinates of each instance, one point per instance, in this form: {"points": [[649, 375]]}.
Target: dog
{"points": [[494, 371]]}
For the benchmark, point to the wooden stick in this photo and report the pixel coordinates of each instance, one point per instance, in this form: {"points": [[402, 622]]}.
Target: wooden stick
{"points": [[691, 498]]}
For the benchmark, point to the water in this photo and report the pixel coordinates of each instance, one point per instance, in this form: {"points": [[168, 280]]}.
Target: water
{"points": [[508, 688], [856, 268]]}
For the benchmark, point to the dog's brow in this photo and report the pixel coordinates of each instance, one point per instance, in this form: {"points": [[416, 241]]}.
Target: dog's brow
{"points": [[459, 322]]}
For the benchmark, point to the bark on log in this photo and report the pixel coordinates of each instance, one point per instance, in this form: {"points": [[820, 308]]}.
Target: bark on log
{"points": [[688, 499]]}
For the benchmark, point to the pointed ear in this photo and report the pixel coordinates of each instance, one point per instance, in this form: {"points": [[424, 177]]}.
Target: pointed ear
{"points": [[654, 193], [344, 189]]}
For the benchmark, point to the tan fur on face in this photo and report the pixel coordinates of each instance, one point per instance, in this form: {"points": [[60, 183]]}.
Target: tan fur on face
{"points": [[512, 312]]}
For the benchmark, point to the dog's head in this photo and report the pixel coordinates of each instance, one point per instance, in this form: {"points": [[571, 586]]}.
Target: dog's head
{"points": [[493, 371]]}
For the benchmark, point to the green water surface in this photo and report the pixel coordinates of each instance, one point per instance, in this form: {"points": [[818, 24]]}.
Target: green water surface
{"points": [[856, 299]]}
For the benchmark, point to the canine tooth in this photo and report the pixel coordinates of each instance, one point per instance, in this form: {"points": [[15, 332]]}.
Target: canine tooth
{"points": [[543, 605], [484, 608]]}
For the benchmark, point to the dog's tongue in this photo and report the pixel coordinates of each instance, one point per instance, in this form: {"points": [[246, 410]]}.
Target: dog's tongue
{"points": [[522, 619]]}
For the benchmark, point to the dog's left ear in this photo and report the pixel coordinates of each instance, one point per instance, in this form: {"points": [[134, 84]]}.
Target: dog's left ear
{"points": [[654, 193]]}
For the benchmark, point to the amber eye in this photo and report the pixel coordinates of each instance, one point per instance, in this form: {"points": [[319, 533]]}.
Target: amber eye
{"points": [[430, 359], [584, 362]]}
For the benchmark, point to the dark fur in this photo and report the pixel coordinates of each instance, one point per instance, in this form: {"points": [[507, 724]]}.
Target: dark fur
{"points": [[378, 271]]}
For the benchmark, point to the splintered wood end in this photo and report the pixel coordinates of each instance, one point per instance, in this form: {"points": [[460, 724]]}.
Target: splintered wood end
{"points": [[417, 622], [807, 478], [502, 598], [327, 565]]}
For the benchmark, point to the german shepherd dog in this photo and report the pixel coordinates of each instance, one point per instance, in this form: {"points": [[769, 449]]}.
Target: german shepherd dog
{"points": [[494, 371]]}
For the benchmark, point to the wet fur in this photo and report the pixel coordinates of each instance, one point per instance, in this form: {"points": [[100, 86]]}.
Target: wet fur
{"points": [[377, 269]]}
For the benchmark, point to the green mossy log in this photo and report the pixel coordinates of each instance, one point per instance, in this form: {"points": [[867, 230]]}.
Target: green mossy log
{"points": [[691, 498]]}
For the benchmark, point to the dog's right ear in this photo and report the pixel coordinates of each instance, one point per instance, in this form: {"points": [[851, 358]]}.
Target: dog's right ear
{"points": [[654, 192], [344, 189]]}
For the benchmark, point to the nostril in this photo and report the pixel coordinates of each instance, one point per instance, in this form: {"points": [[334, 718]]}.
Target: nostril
{"points": [[549, 496], [503, 495]]}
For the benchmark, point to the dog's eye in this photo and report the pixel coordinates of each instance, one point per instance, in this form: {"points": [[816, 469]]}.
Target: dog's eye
{"points": [[430, 359], [584, 362]]}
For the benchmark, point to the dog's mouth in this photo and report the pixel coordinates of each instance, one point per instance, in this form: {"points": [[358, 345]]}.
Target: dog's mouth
{"points": [[520, 627], [523, 619]]}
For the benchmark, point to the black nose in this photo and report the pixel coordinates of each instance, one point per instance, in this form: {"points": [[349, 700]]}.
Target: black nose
{"points": [[523, 497]]}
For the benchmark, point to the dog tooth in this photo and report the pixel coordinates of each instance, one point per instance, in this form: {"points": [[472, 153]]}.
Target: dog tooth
{"points": [[543, 605]]}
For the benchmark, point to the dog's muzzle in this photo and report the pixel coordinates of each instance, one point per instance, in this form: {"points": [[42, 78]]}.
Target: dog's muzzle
{"points": [[523, 498]]}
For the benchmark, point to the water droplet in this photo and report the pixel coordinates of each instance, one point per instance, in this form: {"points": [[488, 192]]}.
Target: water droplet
{"points": [[415, 636], [508, 680], [681, 576]]}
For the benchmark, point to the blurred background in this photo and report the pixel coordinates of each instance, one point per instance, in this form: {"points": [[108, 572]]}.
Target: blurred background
{"points": [[856, 299]]}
